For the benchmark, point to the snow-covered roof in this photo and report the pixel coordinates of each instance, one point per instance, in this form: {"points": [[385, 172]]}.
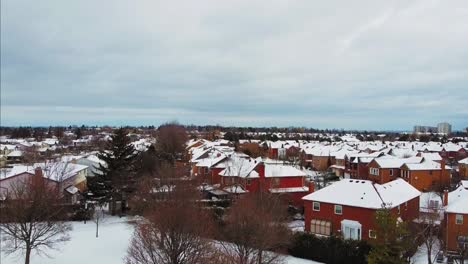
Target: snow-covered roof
{"points": [[425, 165], [59, 171], [15, 154], [389, 163], [236, 189], [365, 194], [431, 156], [463, 161], [289, 190], [458, 200], [277, 170], [240, 167], [15, 170]]}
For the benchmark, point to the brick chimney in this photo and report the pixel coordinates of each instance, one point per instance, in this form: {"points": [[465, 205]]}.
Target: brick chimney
{"points": [[38, 172], [38, 176], [445, 197], [311, 187]]}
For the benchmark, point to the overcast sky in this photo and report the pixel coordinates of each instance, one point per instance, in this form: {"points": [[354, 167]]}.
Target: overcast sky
{"points": [[324, 64]]}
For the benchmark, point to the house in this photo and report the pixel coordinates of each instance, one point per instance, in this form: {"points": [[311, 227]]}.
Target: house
{"points": [[256, 175], [386, 169], [456, 219], [347, 208], [426, 175], [463, 168], [60, 174]]}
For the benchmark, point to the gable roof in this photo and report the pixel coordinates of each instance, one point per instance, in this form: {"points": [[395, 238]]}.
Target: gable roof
{"points": [[458, 199], [365, 194]]}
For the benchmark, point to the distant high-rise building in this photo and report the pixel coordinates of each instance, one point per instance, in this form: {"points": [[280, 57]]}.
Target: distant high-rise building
{"points": [[444, 128], [425, 129]]}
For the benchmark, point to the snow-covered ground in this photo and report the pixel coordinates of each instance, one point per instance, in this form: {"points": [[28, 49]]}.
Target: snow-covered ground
{"points": [[421, 255], [111, 246]]}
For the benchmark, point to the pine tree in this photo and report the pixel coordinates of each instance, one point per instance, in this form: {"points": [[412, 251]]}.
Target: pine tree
{"points": [[114, 180]]}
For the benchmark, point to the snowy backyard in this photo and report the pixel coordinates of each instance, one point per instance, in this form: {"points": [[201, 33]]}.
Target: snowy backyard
{"points": [[84, 247]]}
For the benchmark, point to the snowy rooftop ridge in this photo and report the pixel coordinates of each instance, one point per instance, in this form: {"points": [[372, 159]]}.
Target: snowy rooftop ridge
{"points": [[365, 194]]}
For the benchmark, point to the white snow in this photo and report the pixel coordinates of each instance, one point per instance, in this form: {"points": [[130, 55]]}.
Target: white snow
{"points": [[365, 194], [111, 246]]}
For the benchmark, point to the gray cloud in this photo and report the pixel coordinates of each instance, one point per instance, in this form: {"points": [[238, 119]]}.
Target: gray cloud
{"points": [[365, 65]]}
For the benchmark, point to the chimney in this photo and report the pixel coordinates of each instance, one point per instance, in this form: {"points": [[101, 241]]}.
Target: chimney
{"points": [[38, 172], [445, 197], [311, 187], [38, 178]]}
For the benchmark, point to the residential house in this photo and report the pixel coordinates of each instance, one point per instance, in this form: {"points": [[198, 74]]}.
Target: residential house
{"points": [[463, 168], [347, 208], [256, 175], [426, 175], [456, 220]]}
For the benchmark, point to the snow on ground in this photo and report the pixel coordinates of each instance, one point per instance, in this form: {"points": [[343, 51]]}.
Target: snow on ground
{"points": [[111, 246], [84, 247], [421, 255]]}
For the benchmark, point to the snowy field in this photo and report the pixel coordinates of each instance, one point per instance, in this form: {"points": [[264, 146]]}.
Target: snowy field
{"points": [[110, 247]]}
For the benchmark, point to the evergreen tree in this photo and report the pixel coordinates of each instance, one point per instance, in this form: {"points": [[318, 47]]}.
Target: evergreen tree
{"points": [[393, 241], [115, 179]]}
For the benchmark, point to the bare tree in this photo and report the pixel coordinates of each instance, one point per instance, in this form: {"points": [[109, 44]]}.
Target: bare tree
{"points": [[174, 232], [171, 139], [255, 225], [31, 218], [428, 229]]}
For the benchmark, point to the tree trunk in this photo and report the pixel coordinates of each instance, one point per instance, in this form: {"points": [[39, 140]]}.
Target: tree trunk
{"points": [[97, 228], [260, 256], [28, 255]]}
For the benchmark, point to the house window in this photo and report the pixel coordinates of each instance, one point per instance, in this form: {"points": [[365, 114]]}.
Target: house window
{"points": [[459, 219], [399, 209], [433, 204], [316, 206], [320, 227], [351, 229], [276, 182], [249, 181], [374, 171], [338, 209], [372, 234], [391, 172]]}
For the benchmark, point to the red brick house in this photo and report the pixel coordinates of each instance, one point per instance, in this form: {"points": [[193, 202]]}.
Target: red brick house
{"points": [[456, 220], [463, 168], [255, 175], [347, 208], [427, 175], [386, 169]]}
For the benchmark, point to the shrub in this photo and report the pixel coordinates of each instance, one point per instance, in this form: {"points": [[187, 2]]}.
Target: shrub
{"points": [[329, 249]]}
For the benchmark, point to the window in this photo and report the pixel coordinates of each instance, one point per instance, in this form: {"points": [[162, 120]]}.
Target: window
{"points": [[459, 219], [316, 206], [462, 242], [275, 182], [374, 171], [405, 174], [320, 227], [351, 229], [372, 234], [399, 209], [249, 181], [338, 209], [391, 172], [434, 204]]}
